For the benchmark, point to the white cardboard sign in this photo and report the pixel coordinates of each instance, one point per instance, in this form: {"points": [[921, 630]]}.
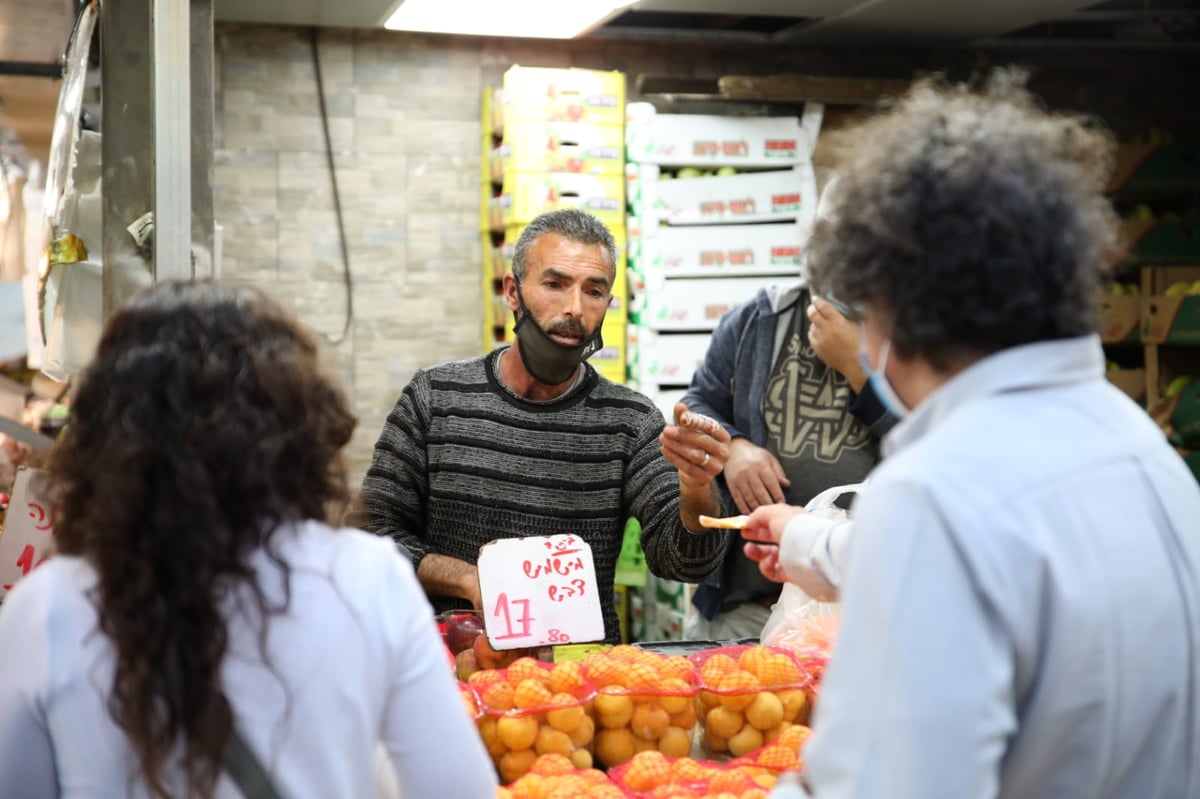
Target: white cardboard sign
{"points": [[27, 539], [539, 590]]}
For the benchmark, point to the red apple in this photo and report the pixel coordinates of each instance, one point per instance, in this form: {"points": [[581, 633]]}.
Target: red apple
{"points": [[461, 631]]}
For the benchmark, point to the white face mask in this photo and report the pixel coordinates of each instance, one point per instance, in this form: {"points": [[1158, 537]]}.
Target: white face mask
{"points": [[883, 389]]}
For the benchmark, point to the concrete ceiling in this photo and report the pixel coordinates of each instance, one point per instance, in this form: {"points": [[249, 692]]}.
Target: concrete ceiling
{"points": [[36, 31], [801, 21]]}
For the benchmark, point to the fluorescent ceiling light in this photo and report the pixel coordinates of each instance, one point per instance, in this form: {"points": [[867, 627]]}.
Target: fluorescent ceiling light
{"points": [[538, 19]]}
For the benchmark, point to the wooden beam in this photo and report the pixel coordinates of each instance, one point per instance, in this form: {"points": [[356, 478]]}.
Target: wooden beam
{"points": [[662, 84], [28, 105], [809, 88]]}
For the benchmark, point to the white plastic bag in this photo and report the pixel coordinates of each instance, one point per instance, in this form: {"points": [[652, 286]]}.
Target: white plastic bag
{"points": [[796, 617], [74, 316], [60, 173], [72, 301]]}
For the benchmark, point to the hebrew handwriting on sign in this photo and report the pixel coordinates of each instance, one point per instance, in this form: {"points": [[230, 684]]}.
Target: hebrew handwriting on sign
{"points": [[41, 519], [27, 540], [539, 590]]}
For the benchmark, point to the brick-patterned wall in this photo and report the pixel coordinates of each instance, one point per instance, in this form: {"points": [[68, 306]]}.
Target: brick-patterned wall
{"points": [[404, 122]]}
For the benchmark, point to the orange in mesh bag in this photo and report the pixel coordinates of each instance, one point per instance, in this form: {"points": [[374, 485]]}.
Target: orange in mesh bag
{"points": [[470, 701], [555, 777], [812, 641], [786, 753], [531, 709], [651, 775], [749, 695], [644, 702]]}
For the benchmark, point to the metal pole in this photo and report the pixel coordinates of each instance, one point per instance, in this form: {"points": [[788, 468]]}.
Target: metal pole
{"points": [[172, 123], [203, 230], [125, 146]]}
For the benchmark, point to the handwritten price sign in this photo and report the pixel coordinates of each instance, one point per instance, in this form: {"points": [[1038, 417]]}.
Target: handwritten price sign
{"points": [[28, 530], [539, 590]]}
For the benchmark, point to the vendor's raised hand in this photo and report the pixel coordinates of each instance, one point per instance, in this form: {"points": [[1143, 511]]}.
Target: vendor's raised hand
{"points": [[753, 475], [696, 445], [763, 532], [834, 339]]}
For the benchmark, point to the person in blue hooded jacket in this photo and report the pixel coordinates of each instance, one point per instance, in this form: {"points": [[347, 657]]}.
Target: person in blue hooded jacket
{"points": [[782, 376]]}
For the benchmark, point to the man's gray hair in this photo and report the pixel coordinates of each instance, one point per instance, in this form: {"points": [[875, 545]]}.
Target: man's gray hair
{"points": [[570, 223]]}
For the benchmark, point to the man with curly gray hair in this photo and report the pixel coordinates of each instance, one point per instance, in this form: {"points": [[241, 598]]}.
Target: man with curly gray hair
{"points": [[1022, 588]]}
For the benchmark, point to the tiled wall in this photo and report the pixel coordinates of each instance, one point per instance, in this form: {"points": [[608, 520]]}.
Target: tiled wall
{"points": [[403, 117], [404, 125]]}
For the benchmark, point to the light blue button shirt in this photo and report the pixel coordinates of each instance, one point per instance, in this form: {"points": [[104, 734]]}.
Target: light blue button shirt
{"points": [[1021, 598]]}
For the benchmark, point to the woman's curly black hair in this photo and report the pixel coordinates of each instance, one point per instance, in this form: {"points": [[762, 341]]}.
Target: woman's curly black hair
{"points": [[972, 220], [201, 425]]}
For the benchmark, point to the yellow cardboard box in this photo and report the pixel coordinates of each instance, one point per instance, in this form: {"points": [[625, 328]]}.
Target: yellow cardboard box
{"points": [[610, 360], [531, 146], [561, 95], [527, 194]]}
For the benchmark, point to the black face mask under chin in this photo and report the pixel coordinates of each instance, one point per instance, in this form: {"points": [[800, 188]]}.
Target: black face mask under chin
{"points": [[548, 361]]}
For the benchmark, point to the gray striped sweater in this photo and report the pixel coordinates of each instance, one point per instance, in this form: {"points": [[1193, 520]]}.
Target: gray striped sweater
{"points": [[463, 460]]}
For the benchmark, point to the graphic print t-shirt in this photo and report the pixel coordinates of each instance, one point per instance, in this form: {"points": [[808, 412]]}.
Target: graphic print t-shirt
{"points": [[810, 428]]}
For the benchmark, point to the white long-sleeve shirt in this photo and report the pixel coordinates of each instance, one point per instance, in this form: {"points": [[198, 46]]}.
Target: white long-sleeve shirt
{"points": [[811, 552], [812, 549], [1021, 599], [356, 660]]}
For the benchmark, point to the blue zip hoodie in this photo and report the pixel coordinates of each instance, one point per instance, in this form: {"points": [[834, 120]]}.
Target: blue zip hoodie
{"points": [[729, 386]]}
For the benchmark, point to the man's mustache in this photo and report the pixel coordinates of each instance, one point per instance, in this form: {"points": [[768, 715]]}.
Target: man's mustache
{"points": [[569, 326]]}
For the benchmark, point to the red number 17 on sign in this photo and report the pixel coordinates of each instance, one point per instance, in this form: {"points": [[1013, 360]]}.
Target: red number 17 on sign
{"points": [[24, 563], [524, 620]]}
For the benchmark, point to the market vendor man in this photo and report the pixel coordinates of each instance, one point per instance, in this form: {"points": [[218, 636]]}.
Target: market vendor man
{"points": [[530, 440]]}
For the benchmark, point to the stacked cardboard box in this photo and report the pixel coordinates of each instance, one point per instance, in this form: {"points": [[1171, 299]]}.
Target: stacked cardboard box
{"points": [[719, 208], [702, 242]]}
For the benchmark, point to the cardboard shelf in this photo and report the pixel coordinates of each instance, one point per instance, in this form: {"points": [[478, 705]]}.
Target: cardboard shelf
{"points": [[1168, 242], [1155, 169]]}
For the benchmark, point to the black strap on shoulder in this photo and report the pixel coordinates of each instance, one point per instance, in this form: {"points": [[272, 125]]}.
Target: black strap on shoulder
{"points": [[246, 770], [239, 761]]}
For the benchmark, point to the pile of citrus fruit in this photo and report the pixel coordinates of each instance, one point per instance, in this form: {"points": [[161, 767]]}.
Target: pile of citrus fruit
{"points": [[784, 754], [651, 775], [531, 709], [555, 777], [749, 696], [644, 702]]}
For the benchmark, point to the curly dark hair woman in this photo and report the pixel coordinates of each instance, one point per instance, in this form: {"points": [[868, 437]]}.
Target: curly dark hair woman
{"points": [[209, 422], [204, 435], [973, 218]]}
